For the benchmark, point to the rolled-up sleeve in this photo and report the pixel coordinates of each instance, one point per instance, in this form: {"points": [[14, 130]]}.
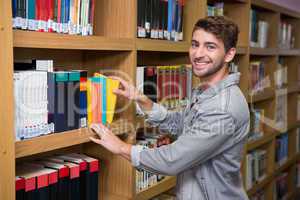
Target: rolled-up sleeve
{"points": [[210, 134], [166, 121]]}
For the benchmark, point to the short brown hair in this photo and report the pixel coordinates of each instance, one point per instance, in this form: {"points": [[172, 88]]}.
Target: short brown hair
{"points": [[222, 28]]}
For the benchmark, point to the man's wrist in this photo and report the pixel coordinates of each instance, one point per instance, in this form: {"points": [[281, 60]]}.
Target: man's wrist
{"points": [[125, 151]]}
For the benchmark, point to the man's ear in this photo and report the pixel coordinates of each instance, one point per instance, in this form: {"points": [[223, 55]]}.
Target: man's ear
{"points": [[230, 55]]}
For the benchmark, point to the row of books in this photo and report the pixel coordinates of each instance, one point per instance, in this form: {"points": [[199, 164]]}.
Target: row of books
{"points": [[259, 31], [281, 186], [259, 195], [217, 9], [62, 177], [144, 178], [160, 19], [256, 124], [61, 16], [281, 74], [286, 37], [281, 149], [258, 74], [281, 111], [59, 101], [256, 167], [298, 140], [169, 85]]}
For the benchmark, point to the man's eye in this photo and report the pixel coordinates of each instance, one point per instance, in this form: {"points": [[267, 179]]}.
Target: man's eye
{"points": [[194, 44], [211, 47]]}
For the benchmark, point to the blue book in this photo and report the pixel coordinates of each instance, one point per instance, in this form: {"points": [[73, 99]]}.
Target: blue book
{"points": [[170, 17], [63, 12], [67, 16], [14, 8]]}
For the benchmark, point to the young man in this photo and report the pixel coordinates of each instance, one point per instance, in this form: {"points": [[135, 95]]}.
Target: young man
{"points": [[212, 130]]}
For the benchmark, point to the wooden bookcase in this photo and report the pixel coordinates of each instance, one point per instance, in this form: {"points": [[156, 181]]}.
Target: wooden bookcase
{"points": [[115, 47]]}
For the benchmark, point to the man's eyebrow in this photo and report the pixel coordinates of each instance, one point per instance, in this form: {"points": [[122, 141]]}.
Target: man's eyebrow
{"points": [[195, 41]]}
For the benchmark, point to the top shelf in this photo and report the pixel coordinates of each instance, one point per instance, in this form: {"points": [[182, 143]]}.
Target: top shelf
{"points": [[32, 39], [276, 8], [61, 140]]}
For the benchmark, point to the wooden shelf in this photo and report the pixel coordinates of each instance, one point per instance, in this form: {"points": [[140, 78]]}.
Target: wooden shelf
{"points": [[293, 88], [241, 50], [263, 51], [162, 186], [260, 185], [61, 140], [276, 8], [286, 165], [161, 45], [31, 39], [289, 52], [259, 142], [261, 96]]}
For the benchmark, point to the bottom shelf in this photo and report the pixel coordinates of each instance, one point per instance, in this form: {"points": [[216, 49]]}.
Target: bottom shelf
{"points": [[164, 185]]}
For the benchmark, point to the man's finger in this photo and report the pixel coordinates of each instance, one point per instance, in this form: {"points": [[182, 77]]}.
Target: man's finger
{"points": [[120, 92], [122, 81], [104, 128], [95, 128], [95, 140]]}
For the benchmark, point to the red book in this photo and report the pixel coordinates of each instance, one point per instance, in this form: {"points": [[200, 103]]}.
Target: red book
{"points": [[177, 82], [159, 83], [50, 14]]}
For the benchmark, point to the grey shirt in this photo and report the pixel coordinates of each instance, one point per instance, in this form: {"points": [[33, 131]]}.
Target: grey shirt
{"points": [[206, 157]]}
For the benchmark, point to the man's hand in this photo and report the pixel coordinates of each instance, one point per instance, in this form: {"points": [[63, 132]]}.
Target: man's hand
{"points": [[110, 141], [129, 91]]}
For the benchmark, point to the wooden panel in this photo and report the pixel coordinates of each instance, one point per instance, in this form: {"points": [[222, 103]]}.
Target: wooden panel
{"points": [[7, 153], [289, 52], [162, 58], [263, 51], [243, 61], [62, 140], [260, 185], [161, 45], [62, 59], [116, 18], [262, 141], [31, 39], [275, 8], [194, 10], [162, 186], [233, 11], [292, 109], [262, 96], [116, 174]]}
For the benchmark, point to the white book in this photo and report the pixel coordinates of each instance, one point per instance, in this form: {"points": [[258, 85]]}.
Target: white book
{"points": [[140, 86]]}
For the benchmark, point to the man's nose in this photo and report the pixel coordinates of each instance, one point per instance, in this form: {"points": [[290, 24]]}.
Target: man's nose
{"points": [[199, 52]]}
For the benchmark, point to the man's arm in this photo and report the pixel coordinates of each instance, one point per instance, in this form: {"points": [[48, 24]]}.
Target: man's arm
{"points": [[156, 114], [211, 134]]}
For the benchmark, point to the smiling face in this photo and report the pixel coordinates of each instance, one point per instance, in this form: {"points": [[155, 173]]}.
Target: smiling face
{"points": [[207, 54]]}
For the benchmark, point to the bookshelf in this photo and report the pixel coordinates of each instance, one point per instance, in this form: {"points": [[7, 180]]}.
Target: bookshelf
{"points": [[114, 46]]}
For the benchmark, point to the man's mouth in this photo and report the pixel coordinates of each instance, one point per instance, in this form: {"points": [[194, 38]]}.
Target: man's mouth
{"points": [[201, 63]]}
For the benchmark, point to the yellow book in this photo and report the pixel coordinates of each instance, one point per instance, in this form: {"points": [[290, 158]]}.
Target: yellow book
{"points": [[111, 98], [89, 101]]}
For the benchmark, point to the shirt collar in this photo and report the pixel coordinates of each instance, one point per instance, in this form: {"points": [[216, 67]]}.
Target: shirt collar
{"points": [[231, 79]]}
